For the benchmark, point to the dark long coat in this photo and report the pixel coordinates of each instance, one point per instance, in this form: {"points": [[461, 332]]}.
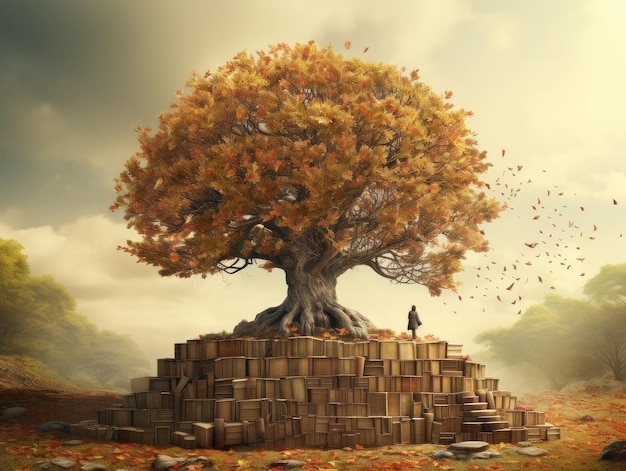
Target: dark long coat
{"points": [[414, 320]]}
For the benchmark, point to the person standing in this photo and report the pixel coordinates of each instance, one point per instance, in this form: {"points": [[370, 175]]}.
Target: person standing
{"points": [[414, 321]]}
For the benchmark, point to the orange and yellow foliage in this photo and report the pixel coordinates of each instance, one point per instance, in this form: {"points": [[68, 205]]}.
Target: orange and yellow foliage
{"points": [[299, 156]]}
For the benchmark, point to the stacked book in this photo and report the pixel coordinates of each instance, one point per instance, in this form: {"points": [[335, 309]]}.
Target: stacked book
{"points": [[308, 391]]}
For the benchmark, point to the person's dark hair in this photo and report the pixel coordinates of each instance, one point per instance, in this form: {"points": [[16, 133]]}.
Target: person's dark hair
{"points": [[413, 307]]}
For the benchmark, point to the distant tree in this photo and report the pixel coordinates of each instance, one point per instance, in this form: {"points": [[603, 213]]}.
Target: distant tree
{"points": [[605, 337], [110, 356], [38, 319], [605, 334], [313, 164], [567, 339], [14, 273], [542, 340], [608, 286]]}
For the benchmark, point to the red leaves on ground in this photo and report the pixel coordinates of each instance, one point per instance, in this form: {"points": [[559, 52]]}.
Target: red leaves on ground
{"points": [[581, 444]]}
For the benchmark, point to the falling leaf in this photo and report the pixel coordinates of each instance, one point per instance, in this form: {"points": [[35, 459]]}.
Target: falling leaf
{"points": [[347, 44], [532, 245], [365, 50]]}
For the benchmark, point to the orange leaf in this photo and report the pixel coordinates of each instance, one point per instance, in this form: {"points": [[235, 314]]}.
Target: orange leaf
{"points": [[174, 257]]}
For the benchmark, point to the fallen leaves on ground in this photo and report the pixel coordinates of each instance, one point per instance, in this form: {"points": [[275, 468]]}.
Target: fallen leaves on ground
{"points": [[22, 446]]}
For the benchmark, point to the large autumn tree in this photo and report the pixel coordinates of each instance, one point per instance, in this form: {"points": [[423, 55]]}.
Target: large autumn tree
{"points": [[312, 163]]}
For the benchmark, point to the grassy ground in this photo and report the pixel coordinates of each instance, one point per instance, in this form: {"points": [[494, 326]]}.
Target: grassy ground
{"points": [[23, 447]]}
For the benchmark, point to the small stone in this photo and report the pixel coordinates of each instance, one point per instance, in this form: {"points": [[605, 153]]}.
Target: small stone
{"points": [[287, 464], [532, 451], [470, 446], [165, 462], [55, 426], [73, 442], [13, 412], [93, 467], [443, 454], [616, 451], [485, 455], [63, 462]]}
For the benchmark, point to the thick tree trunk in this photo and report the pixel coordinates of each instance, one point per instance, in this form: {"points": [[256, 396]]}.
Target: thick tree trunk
{"points": [[311, 303]]}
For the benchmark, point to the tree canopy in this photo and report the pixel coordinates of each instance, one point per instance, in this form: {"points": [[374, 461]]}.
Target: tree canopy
{"points": [[311, 163], [38, 319], [608, 286]]}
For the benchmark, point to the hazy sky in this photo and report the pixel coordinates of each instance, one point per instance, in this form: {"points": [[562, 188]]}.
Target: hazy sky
{"points": [[544, 79]]}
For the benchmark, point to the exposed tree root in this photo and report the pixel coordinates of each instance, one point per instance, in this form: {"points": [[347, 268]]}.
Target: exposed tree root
{"points": [[308, 317]]}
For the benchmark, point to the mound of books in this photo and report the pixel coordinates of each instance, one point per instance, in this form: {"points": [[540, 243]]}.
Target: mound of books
{"points": [[316, 392]]}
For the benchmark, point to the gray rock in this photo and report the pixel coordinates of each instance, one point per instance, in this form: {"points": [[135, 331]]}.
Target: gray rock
{"points": [[93, 467], [470, 446], [13, 412], [73, 442], [485, 455], [54, 426], [287, 464], [165, 462], [63, 462], [532, 451], [443, 454], [616, 451]]}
